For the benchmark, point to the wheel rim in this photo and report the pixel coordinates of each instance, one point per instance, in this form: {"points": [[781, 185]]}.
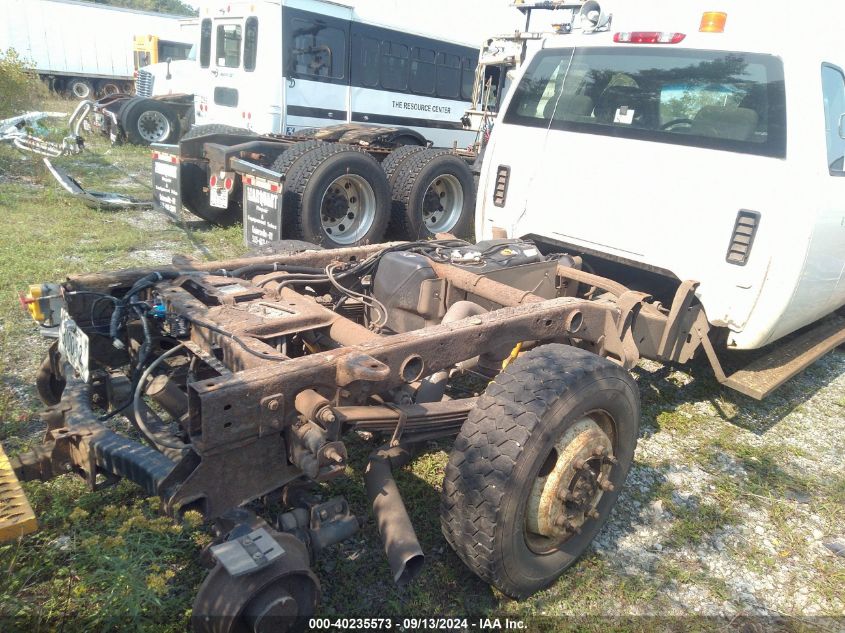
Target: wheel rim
{"points": [[443, 204], [565, 495], [110, 89], [348, 209], [81, 90], [153, 126]]}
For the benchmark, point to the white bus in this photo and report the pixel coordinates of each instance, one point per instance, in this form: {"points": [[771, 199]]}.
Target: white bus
{"points": [[323, 63]]}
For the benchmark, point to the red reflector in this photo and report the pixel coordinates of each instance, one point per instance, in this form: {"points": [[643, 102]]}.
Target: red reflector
{"points": [[274, 188], [648, 37], [249, 115], [228, 183], [174, 159], [243, 115], [155, 155], [248, 179], [212, 181]]}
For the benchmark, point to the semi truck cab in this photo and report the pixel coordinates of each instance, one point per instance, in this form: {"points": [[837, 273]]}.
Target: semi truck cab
{"points": [[684, 143]]}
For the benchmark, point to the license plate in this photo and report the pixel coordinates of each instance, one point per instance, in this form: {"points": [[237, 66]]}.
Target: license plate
{"points": [[73, 346], [219, 197]]}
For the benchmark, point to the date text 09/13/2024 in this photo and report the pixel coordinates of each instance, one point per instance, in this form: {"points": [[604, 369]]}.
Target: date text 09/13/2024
{"points": [[414, 624]]}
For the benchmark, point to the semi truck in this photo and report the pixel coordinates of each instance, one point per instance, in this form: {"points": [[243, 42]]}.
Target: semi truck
{"points": [[81, 48], [162, 106], [637, 201], [287, 78]]}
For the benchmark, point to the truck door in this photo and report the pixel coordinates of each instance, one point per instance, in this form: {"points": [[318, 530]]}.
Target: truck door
{"points": [[316, 68], [228, 95]]}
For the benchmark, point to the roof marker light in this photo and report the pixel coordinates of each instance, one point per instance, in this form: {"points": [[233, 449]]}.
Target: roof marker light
{"points": [[713, 22], [648, 37]]}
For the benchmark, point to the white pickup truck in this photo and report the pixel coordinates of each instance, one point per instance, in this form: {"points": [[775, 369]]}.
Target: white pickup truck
{"points": [[679, 143]]}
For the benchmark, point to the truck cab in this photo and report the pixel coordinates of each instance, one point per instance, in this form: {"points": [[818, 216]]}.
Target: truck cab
{"points": [[684, 143]]}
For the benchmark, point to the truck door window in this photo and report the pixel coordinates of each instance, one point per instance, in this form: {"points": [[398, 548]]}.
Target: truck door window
{"points": [[316, 49], [229, 45], [709, 99], [833, 90], [250, 43], [205, 43]]}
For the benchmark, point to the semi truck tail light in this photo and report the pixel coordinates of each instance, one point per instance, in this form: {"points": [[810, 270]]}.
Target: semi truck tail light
{"points": [[648, 37], [213, 180], [228, 184]]}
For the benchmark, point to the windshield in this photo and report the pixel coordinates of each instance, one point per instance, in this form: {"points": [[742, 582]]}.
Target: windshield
{"points": [[714, 99]]}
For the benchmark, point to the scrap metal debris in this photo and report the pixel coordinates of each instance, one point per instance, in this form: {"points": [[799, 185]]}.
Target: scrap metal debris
{"points": [[18, 130], [95, 199]]}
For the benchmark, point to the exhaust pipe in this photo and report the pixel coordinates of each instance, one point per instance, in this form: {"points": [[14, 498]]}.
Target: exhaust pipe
{"points": [[404, 554]]}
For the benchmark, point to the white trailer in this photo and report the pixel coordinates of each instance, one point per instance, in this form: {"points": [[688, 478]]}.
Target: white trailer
{"points": [[80, 47]]}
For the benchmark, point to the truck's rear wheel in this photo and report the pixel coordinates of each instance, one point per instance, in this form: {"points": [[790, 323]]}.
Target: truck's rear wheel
{"points": [[193, 181], [148, 121], [538, 465], [79, 88], [433, 192], [336, 195]]}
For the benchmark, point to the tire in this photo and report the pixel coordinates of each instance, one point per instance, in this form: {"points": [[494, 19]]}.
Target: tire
{"points": [[79, 88], [283, 247], [396, 158], [433, 192], [291, 155], [551, 406], [148, 121], [106, 88], [330, 183], [193, 182]]}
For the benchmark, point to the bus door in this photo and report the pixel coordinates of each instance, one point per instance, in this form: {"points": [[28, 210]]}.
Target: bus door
{"points": [[316, 68]]}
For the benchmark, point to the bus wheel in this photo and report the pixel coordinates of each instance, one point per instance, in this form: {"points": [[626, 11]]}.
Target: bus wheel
{"points": [[433, 192], [336, 195], [538, 465]]}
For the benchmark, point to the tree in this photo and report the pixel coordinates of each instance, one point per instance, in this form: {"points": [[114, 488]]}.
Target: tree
{"points": [[175, 7]]}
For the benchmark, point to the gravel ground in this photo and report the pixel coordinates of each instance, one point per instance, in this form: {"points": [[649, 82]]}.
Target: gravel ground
{"points": [[738, 504]]}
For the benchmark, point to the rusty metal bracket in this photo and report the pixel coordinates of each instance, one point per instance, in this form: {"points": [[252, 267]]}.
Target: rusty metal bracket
{"points": [[630, 303]]}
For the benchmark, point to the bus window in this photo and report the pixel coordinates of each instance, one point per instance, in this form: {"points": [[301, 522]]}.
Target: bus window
{"points": [[205, 43], [369, 68], [394, 66], [316, 49], [142, 58], [448, 76], [422, 71], [468, 78], [229, 45], [250, 43], [172, 50]]}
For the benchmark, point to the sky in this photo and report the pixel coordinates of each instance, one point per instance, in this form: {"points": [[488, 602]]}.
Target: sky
{"points": [[460, 20]]}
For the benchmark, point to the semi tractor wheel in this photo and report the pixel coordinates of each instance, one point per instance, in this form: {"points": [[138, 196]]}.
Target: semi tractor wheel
{"points": [[538, 465], [148, 121], [336, 195], [193, 182], [433, 192]]}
